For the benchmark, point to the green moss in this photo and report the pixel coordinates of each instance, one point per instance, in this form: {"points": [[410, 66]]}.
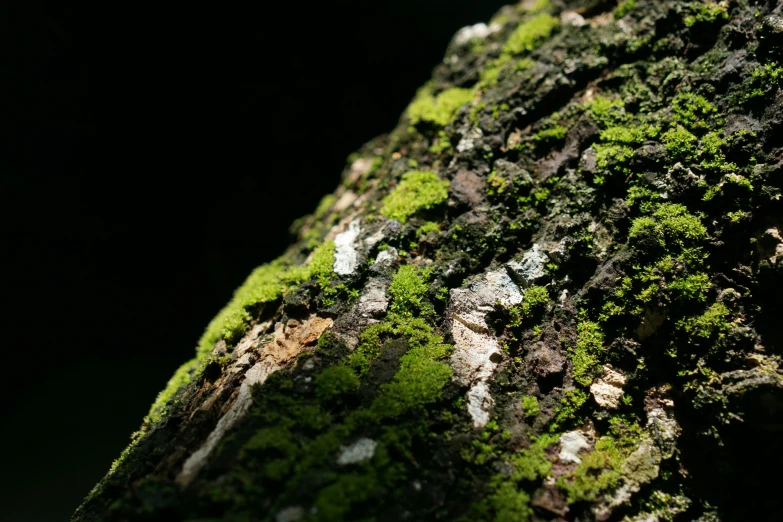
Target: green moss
{"points": [[334, 382], [585, 355], [491, 73], [605, 111], [569, 406], [629, 134], [496, 184], [442, 144], [509, 504], [679, 142], [426, 228], [670, 226], [623, 8], [761, 81], [530, 406], [438, 110], [552, 134], [707, 12], [418, 190], [692, 110], [534, 300], [531, 34], [711, 324], [407, 289], [600, 470], [611, 159], [324, 205]]}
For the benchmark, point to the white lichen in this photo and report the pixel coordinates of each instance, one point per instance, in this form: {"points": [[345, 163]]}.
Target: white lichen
{"points": [[360, 451], [345, 256], [571, 443]]}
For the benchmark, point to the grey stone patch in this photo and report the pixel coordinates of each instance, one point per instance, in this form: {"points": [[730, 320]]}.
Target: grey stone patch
{"points": [[389, 228], [469, 32], [345, 256], [480, 402], [290, 514], [361, 450], [476, 351], [386, 259], [469, 139], [530, 268], [374, 300], [571, 443]]}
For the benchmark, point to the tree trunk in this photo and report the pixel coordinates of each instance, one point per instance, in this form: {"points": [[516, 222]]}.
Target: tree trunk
{"points": [[549, 294]]}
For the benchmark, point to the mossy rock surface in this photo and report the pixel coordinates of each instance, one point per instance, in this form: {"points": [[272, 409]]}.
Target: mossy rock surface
{"points": [[551, 293]]}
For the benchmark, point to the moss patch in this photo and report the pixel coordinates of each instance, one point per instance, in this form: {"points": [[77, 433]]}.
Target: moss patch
{"points": [[418, 190], [439, 110]]}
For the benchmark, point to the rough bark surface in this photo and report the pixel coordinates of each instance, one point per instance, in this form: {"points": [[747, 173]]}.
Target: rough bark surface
{"points": [[549, 294]]}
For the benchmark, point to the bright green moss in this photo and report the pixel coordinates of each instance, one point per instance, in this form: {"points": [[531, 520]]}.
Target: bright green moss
{"points": [[535, 298], [418, 190], [438, 110], [712, 323], [530, 406], [585, 355], [419, 382], [321, 266], [531, 34], [671, 225], [600, 470], [509, 504], [692, 110], [491, 73], [324, 205], [569, 406], [606, 111], [643, 197], [611, 159], [553, 134], [407, 289], [623, 8], [426, 228], [442, 144], [707, 12], [496, 184], [679, 142], [693, 287], [629, 135], [334, 382]]}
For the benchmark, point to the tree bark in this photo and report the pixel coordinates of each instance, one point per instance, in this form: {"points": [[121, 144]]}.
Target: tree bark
{"points": [[549, 294]]}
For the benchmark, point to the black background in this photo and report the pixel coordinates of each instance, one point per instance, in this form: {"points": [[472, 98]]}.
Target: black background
{"points": [[153, 156]]}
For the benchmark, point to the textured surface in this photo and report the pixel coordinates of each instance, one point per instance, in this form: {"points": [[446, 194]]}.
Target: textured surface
{"points": [[549, 294]]}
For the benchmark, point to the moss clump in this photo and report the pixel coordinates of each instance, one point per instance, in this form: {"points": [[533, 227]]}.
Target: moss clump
{"points": [[530, 406], [585, 355], [439, 110], [629, 134], [531, 34], [552, 134], [692, 110], [605, 111], [509, 502], [670, 226], [418, 190], [679, 142], [427, 228], [569, 405], [711, 324], [600, 470], [534, 300], [334, 382], [623, 8], [407, 290], [705, 12]]}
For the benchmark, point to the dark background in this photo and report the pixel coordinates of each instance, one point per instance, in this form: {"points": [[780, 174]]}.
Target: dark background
{"points": [[154, 155]]}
